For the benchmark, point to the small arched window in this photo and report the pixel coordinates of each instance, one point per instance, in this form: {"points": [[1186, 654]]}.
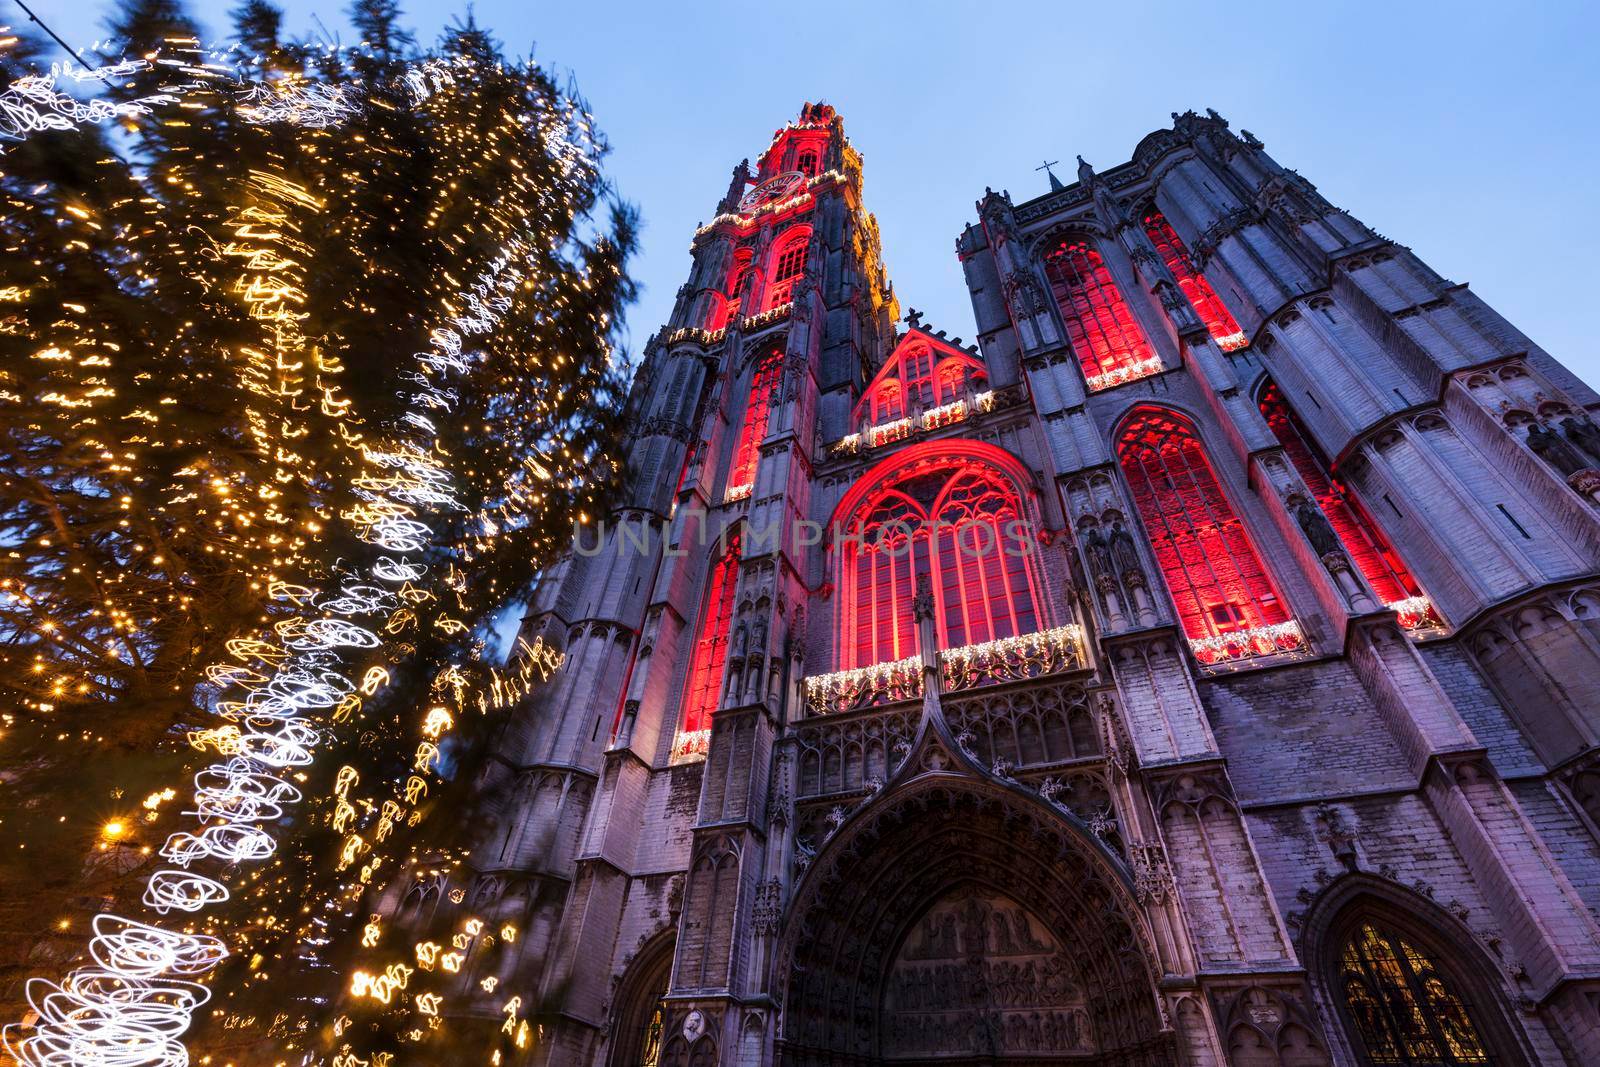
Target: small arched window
{"points": [[1212, 311], [1108, 341], [1370, 550], [1403, 1006], [1218, 584], [958, 523], [952, 381], [710, 653], [788, 265], [886, 403], [758, 406]]}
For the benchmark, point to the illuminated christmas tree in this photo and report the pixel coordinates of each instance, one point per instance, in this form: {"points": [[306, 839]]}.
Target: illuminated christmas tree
{"points": [[307, 369]]}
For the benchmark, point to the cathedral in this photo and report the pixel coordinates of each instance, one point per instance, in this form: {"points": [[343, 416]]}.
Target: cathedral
{"points": [[1199, 667]]}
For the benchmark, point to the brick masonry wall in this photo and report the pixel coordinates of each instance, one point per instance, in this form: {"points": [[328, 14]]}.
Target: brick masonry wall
{"points": [[1302, 732]]}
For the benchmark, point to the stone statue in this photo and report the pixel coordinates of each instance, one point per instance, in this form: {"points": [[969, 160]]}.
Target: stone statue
{"points": [[1098, 551], [1124, 553], [741, 641], [922, 603], [1555, 451], [1584, 434], [1314, 524]]}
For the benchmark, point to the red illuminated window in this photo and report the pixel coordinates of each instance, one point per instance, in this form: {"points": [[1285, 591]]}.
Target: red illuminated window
{"points": [[790, 263], [807, 164], [952, 380], [1218, 583], [1224, 330], [886, 405], [1106, 338], [1362, 539], [711, 644], [762, 385], [956, 524]]}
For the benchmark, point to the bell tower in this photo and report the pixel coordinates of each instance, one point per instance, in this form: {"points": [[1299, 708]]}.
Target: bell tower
{"points": [[629, 798]]}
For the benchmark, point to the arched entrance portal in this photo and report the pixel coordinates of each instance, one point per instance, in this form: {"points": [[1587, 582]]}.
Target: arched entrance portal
{"points": [[639, 1020], [959, 923]]}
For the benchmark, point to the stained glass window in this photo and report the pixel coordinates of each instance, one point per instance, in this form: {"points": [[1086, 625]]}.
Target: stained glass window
{"points": [[1106, 338], [650, 1054], [1201, 296], [1405, 1009], [1362, 539], [956, 526], [710, 651], [787, 268], [1217, 581], [754, 430]]}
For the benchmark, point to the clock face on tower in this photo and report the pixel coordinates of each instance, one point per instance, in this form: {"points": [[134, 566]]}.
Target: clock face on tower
{"points": [[772, 189]]}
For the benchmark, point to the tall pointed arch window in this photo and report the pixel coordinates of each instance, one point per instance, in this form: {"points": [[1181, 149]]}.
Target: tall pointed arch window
{"points": [[1405, 1008], [1108, 341], [1212, 311], [959, 524], [1380, 564], [710, 655], [787, 266], [753, 430], [1225, 601]]}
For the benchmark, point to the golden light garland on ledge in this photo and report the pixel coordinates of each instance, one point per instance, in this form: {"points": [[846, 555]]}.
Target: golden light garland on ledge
{"points": [[1252, 643], [1132, 372], [1004, 659]]}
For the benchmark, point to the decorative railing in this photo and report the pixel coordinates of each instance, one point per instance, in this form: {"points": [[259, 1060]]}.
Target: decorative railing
{"points": [[898, 429], [1012, 659], [708, 338], [695, 335], [738, 492], [944, 415], [1416, 613], [1142, 369], [884, 433], [690, 745], [767, 317], [1257, 642], [1009, 659], [864, 687]]}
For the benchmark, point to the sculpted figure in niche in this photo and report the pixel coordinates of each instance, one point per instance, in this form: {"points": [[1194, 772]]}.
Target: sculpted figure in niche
{"points": [[1124, 554], [1098, 551], [1584, 434], [1555, 451], [1316, 527]]}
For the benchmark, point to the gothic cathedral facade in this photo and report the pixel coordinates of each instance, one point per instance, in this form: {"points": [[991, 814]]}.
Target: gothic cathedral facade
{"points": [[1202, 668]]}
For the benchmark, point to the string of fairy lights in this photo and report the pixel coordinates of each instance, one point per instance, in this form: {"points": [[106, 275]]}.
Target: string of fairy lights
{"points": [[285, 694]]}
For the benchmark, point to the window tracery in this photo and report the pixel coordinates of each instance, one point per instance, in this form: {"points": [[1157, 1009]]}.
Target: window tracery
{"points": [[1219, 587], [1212, 311], [788, 264], [757, 409], [1107, 339], [704, 684], [1406, 1010], [958, 524], [1377, 559]]}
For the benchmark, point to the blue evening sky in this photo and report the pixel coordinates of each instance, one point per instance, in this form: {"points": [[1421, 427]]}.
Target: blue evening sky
{"points": [[1466, 130]]}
